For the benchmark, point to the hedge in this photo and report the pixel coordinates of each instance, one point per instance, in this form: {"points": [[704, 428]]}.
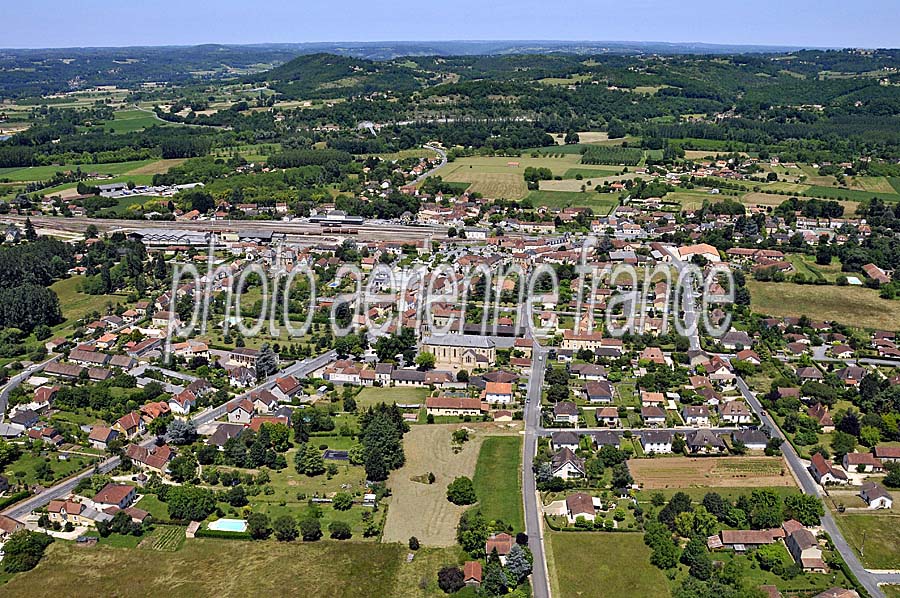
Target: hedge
{"points": [[14, 498], [214, 533]]}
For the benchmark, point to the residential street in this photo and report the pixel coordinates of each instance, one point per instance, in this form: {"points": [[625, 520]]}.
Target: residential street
{"points": [[540, 582]]}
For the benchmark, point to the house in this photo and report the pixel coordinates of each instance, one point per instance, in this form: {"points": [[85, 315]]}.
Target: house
{"points": [[565, 412], [804, 547], [244, 357], [182, 403], [9, 526], [472, 574], [498, 392], [25, 418], [735, 412], [240, 411], [286, 388], [837, 593], [753, 440], [810, 373], [154, 410], [154, 458], [581, 505], [564, 464], [564, 440], [653, 355], [43, 396], [704, 442], [116, 495], [819, 412], [748, 356], [741, 539], [696, 415], [654, 399], [607, 416], [67, 511], [101, 436], [862, 463], [653, 416], [657, 442], [223, 433], [264, 401], [241, 376], [502, 543], [851, 375], [448, 406], [606, 438], [599, 392], [130, 425], [824, 473], [887, 454], [876, 496]]}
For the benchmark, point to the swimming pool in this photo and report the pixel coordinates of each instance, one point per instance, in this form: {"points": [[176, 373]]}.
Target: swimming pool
{"points": [[228, 525]]}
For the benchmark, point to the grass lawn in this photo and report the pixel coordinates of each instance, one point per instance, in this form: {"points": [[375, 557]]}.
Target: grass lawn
{"points": [[373, 395], [882, 536], [892, 591], [577, 569], [61, 469], [213, 567], [75, 304], [850, 305], [497, 481]]}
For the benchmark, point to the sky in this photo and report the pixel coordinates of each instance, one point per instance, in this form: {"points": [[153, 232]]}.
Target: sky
{"points": [[821, 23]]}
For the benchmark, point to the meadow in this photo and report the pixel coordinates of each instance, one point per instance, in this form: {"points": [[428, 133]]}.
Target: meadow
{"points": [[498, 482]]}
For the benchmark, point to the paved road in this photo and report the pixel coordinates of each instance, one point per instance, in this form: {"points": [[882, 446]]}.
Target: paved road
{"points": [[688, 302], [22, 509], [541, 431], [869, 580], [18, 379], [431, 172], [534, 527]]}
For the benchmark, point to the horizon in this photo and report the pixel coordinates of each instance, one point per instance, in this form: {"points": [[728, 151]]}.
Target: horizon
{"points": [[832, 24]]}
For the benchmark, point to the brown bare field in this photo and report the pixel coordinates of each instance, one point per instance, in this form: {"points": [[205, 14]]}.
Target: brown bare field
{"points": [[422, 510], [158, 167], [592, 136], [712, 472]]}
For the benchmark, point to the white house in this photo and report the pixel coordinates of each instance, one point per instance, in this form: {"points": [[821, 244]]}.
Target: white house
{"points": [[658, 442], [876, 496]]}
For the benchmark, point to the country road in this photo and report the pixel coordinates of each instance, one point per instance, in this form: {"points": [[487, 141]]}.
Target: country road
{"points": [[534, 518]]}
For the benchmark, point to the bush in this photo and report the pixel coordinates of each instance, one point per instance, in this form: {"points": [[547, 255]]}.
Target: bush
{"points": [[342, 501], [340, 530], [310, 529], [461, 491], [451, 579], [413, 543]]}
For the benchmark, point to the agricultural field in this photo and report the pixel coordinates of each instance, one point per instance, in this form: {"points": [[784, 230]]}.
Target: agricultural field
{"points": [[806, 264], [41, 173], [719, 472], [207, 567], [128, 121], [875, 536], [165, 538], [624, 569], [497, 479], [855, 306], [599, 203], [421, 509], [503, 177]]}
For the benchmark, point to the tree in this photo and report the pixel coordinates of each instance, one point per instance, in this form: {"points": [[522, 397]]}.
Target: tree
{"points": [[716, 505], [425, 360], [494, 581], [376, 470], [258, 525], [309, 460], [9, 452], [349, 404], [285, 528], [24, 550], [678, 444], [451, 579], [266, 363], [621, 477], [236, 496], [461, 491], [472, 532], [679, 503], [340, 530], [698, 522], [413, 543], [190, 503], [30, 233], [518, 565], [766, 510], [805, 508], [181, 432], [842, 443], [342, 501], [869, 436], [183, 468], [310, 529]]}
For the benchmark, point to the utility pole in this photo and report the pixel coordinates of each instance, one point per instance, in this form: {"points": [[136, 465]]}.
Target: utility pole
{"points": [[862, 549]]}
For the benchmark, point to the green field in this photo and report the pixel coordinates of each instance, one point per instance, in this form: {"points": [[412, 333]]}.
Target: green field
{"points": [[497, 481], [849, 194], [881, 535], [587, 171], [582, 563], [27, 462], [374, 395], [75, 304], [129, 121], [41, 173], [855, 306], [601, 204], [211, 567]]}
